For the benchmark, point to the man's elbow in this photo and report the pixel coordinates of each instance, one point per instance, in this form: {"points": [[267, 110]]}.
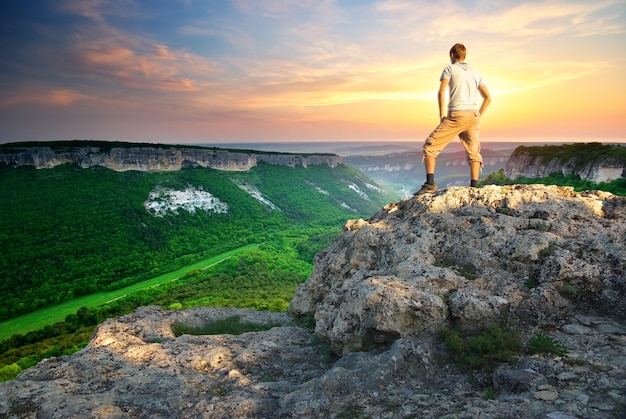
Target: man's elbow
{"points": [[485, 94]]}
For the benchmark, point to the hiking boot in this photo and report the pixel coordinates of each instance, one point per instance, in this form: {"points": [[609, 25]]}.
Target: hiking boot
{"points": [[426, 188]]}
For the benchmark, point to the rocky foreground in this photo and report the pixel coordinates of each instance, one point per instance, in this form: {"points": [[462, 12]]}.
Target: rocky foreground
{"points": [[531, 258]]}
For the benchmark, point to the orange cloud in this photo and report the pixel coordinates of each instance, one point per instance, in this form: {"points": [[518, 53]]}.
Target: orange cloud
{"points": [[50, 97], [157, 68]]}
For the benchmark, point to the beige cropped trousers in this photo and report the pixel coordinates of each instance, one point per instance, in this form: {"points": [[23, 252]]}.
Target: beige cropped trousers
{"points": [[465, 125]]}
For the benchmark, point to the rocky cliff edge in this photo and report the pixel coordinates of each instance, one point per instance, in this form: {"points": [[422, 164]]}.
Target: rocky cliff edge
{"points": [[530, 162], [531, 258], [154, 158]]}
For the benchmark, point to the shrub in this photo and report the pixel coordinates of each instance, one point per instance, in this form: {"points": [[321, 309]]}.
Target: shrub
{"points": [[531, 283], [9, 372], [468, 271], [548, 251], [504, 210], [482, 349], [465, 269], [324, 348], [490, 393], [351, 412], [540, 343], [442, 262], [569, 291]]}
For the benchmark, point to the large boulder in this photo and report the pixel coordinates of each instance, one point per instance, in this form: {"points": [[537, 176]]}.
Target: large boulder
{"points": [[468, 256]]}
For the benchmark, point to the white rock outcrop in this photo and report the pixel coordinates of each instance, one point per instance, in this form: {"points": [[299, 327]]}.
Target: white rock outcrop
{"points": [[163, 200]]}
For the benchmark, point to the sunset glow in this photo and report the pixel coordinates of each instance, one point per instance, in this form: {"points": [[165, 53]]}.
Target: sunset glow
{"points": [[314, 70]]}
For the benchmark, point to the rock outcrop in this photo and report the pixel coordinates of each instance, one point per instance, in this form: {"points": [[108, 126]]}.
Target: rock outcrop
{"points": [[154, 158], [466, 256], [532, 258], [531, 162]]}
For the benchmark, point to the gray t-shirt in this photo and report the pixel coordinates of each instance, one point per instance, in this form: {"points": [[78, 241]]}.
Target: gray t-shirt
{"points": [[463, 84]]}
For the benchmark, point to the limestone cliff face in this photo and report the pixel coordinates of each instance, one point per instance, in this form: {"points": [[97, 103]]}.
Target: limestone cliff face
{"points": [[529, 162], [154, 158], [533, 258]]}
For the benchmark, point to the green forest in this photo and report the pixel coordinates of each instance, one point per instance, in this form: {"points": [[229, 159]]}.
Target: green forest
{"points": [[68, 231]]}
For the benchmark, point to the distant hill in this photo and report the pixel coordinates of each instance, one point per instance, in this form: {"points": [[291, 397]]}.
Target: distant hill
{"points": [[403, 172], [69, 231]]}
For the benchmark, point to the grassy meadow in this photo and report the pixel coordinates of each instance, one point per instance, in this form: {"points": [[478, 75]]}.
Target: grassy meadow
{"points": [[53, 314]]}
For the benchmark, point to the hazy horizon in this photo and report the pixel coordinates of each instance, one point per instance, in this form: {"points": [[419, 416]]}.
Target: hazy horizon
{"points": [[348, 148], [354, 147]]}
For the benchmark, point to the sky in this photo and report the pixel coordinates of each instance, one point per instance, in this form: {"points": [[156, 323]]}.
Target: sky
{"points": [[228, 71]]}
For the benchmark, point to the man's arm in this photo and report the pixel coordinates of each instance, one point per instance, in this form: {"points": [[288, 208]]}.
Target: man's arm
{"points": [[486, 99], [441, 98]]}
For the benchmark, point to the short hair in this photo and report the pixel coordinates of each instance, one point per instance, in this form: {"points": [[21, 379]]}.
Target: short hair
{"points": [[458, 51]]}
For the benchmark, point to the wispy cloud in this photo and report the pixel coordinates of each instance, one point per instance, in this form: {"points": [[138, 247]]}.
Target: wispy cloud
{"points": [[280, 9], [33, 94], [552, 18], [100, 10], [510, 19], [154, 68]]}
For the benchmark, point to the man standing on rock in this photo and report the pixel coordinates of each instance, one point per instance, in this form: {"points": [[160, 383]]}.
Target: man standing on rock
{"points": [[462, 117]]}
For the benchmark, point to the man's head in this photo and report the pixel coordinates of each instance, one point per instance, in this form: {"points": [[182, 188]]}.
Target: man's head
{"points": [[457, 52]]}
